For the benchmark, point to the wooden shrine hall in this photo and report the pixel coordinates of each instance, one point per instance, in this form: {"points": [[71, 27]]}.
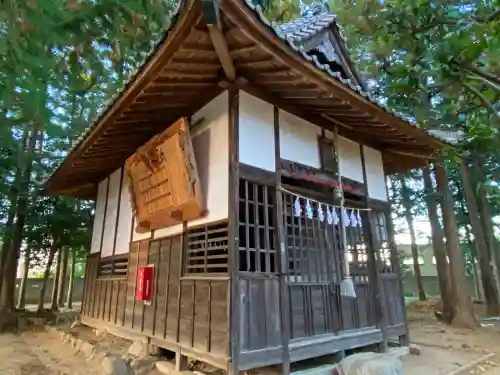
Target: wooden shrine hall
{"points": [[242, 217]]}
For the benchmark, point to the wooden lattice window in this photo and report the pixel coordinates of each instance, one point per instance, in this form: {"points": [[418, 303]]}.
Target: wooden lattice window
{"points": [[115, 267], [381, 237], [207, 249], [257, 229], [356, 253], [312, 245]]}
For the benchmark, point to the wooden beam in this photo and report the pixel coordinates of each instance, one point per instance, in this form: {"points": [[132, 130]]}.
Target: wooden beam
{"points": [[414, 154], [102, 153], [358, 129], [396, 268], [148, 105], [163, 92], [282, 256], [373, 260], [295, 87], [273, 71], [72, 190], [181, 62], [175, 84], [162, 108], [230, 33], [233, 241], [222, 50], [250, 63], [243, 49], [169, 74], [197, 47]]}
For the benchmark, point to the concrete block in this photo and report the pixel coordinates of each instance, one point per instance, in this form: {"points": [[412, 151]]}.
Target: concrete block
{"points": [[371, 364], [143, 366], [327, 369], [415, 349], [399, 353], [114, 366], [139, 348], [87, 349]]}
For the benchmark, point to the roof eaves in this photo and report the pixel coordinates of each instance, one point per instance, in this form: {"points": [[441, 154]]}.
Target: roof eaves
{"points": [[257, 9]]}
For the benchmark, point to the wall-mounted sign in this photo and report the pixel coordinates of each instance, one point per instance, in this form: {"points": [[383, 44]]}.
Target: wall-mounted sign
{"points": [[144, 286], [163, 180]]}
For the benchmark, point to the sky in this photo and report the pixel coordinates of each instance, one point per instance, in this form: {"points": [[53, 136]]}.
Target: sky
{"points": [[422, 229]]}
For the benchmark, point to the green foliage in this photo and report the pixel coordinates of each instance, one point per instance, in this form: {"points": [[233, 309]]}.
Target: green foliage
{"points": [[60, 61]]}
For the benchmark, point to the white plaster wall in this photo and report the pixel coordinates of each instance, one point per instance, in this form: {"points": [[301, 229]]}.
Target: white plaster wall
{"points": [[123, 232], [256, 133], [350, 160], [375, 174], [139, 236], [95, 246], [105, 218], [111, 212], [299, 140]]}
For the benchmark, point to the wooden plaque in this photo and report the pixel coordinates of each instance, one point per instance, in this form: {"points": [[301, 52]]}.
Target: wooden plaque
{"points": [[163, 180]]}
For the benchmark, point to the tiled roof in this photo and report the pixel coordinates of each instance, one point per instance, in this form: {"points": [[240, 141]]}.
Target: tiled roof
{"points": [[305, 27], [292, 33], [326, 68]]}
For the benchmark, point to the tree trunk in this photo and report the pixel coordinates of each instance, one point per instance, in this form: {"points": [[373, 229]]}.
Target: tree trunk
{"points": [[439, 248], [55, 284], [463, 309], [21, 294], [488, 281], [62, 277], [12, 256], [7, 238], [414, 248], [69, 297], [8, 258], [477, 282], [486, 219], [46, 275]]}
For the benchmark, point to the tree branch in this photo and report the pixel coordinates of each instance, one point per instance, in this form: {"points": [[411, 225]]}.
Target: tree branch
{"points": [[440, 22], [491, 17], [482, 98], [480, 72], [422, 29], [487, 82]]}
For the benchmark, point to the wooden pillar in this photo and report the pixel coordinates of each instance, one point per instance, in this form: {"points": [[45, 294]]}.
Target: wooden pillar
{"points": [[234, 299], [181, 361], [281, 251], [404, 340], [373, 261]]}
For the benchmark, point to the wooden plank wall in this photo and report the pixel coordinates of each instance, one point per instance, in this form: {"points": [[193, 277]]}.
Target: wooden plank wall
{"points": [[391, 300], [259, 313], [190, 311]]}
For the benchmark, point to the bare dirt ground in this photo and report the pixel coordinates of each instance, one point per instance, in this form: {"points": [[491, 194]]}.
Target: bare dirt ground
{"points": [[39, 352], [444, 349]]}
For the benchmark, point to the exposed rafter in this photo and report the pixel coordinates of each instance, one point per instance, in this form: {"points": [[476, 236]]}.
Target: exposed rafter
{"points": [[211, 15]]}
